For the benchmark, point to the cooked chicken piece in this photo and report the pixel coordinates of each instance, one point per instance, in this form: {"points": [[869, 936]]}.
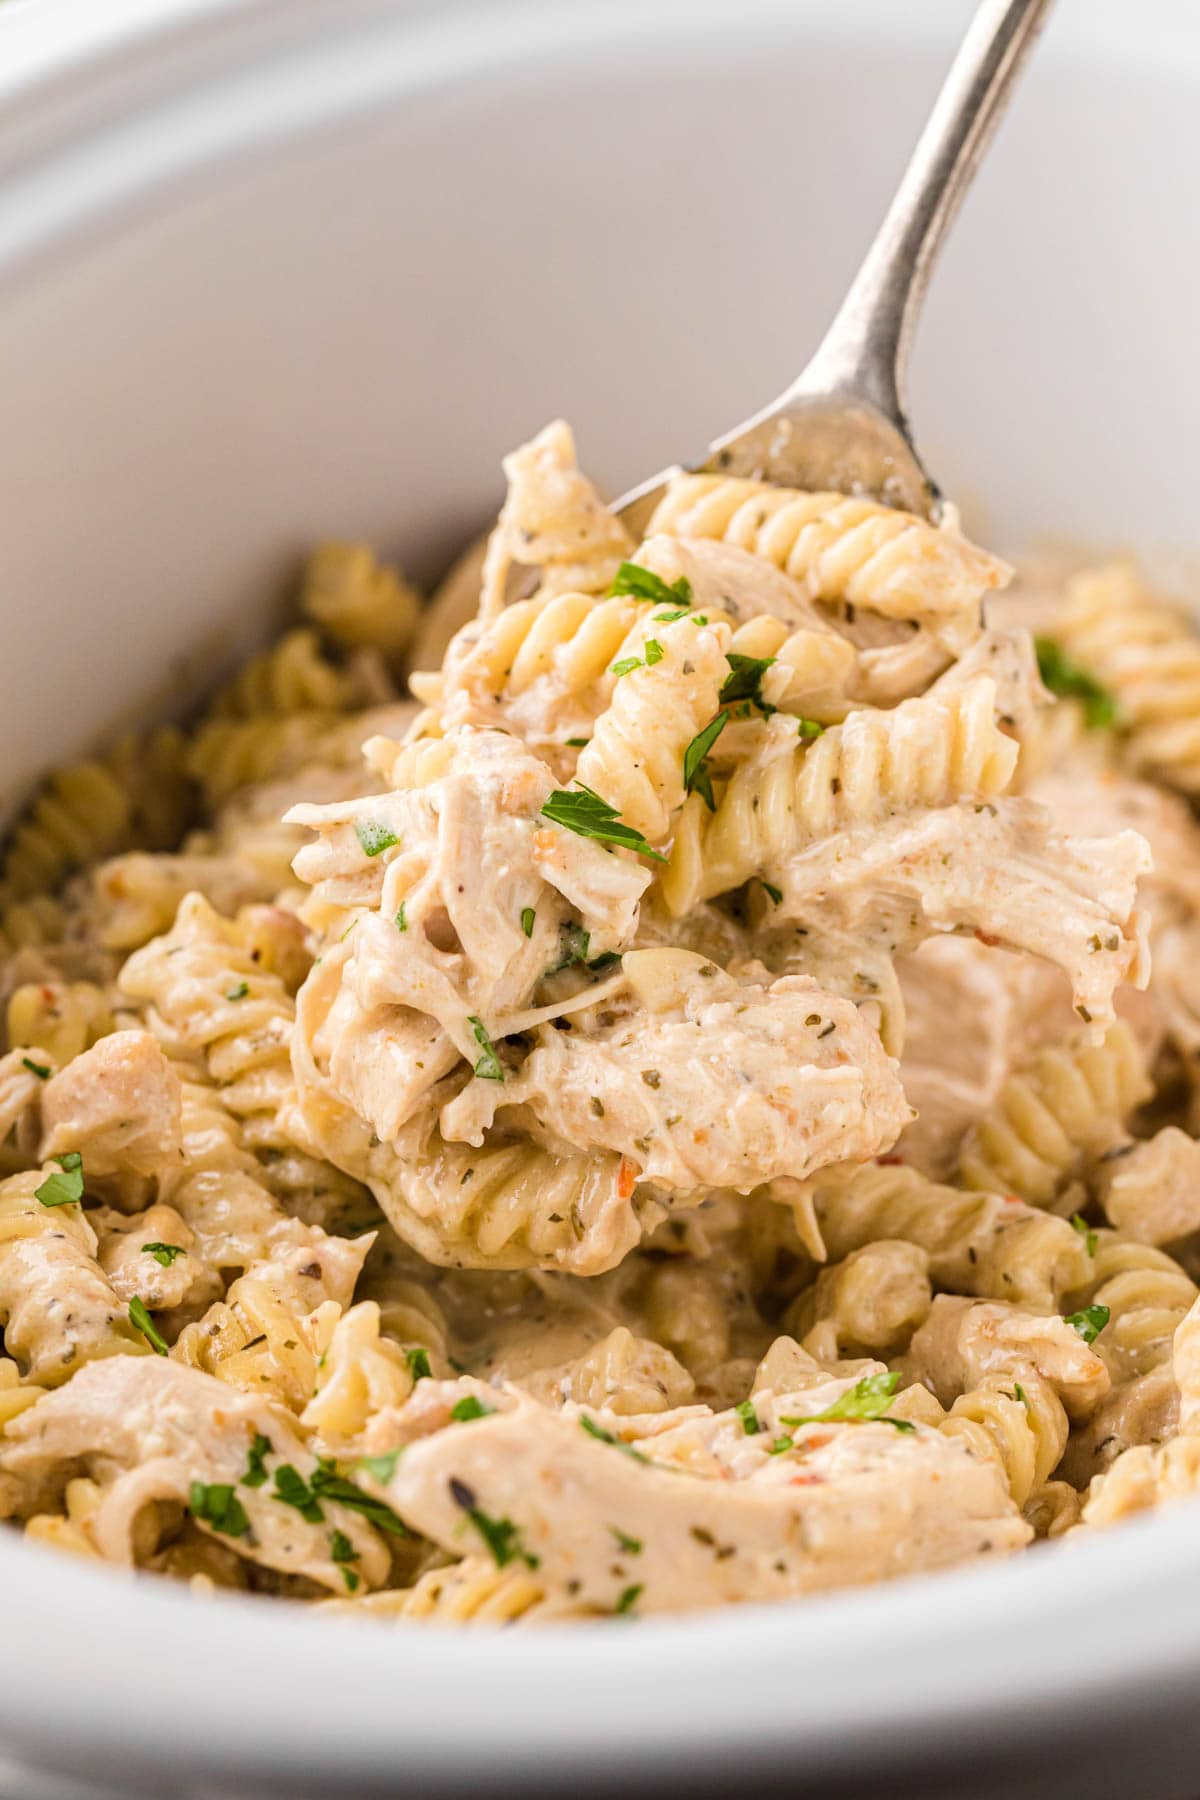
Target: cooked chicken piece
{"points": [[482, 899], [967, 1343], [155, 1256], [554, 521], [1150, 1190], [696, 1509], [150, 1429], [703, 1080], [730, 582], [998, 870], [118, 1105]]}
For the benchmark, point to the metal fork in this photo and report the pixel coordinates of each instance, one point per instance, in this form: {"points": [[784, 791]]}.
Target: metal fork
{"points": [[842, 425]]}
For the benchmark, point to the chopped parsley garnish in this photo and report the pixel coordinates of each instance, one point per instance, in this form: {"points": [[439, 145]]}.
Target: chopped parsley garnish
{"points": [[140, 1318], [239, 992], [605, 960], [501, 1536], [626, 666], [1090, 1237], [628, 1599], [746, 1413], [578, 743], [1089, 1322], [39, 1069], [775, 893], [292, 1489], [327, 1484], [489, 1067], [342, 1552], [573, 946], [669, 618], [401, 920], [468, 1408], [632, 1546], [779, 1445], [868, 1399], [381, 1467], [586, 814], [1066, 679], [654, 652], [696, 778], [65, 1189], [643, 584], [1020, 1394], [164, 1254], [216, 1504], [528, 915], [608, 1437], [744, 681], [809, 728], [256, 1467], [374, 836], [417, 1358]]}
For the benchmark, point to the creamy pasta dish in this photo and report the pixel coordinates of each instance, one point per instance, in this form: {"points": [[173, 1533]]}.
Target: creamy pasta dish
{"points": [[677, 1087]]}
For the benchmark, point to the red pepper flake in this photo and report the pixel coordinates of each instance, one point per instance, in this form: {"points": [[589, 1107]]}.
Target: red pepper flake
{"points": [[985, 937]]}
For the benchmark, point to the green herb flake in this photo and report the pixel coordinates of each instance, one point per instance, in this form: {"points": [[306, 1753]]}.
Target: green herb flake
{"points": [[256, 1467], [328, 1484], [746, 1413], [578, 743], [501, 1536], [630, 1545], [669, 618], [291, 1489], [489, 1067], [417, 1358], [809, 729], [696, 777], [468, 1408], [342, 1552], [401, 918], [628, 1599], [1089, 1322], [1066, 679], [217, 1505], [65, 1189], [1090, 1238], [381, 1467], [775, 893], [374, 836], [779, 1445], [140, 1318], [626, 666], [587, 815], [528, 915], [867, 1400], [744, 681], [574, 944], [1020, 1394], [35, 1068], [239, 992], [642, 584], [164, 1254], [607, 1437], [654, 652]]}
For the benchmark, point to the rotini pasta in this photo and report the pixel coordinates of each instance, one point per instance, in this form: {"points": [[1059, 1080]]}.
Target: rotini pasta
{"points": [[458, 1155]]}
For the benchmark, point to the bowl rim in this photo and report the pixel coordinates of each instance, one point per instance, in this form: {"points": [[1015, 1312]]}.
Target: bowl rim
{"points": [[785, 1677]]}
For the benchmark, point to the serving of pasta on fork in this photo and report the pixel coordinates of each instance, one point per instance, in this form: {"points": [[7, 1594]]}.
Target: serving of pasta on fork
{"points": [[690, 1101]]}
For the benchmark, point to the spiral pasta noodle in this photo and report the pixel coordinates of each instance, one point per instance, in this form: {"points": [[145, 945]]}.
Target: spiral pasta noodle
{"points": [[976, 1243], [635, 759], [1024, 1432], [357, 601], [888, 561], [1148, 656], [1071, 1102], [927, 752], [57, 1309]]}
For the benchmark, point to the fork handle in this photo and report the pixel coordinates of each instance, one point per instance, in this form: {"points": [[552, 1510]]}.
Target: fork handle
{"points": [[864, 354]]}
